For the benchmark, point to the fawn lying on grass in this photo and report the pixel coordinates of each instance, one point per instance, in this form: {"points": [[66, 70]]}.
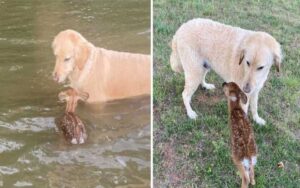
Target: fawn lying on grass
{"points": [[71, 125], [243, 147]]}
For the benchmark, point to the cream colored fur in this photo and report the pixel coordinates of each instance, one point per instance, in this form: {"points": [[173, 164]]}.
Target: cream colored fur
{"points": [[227, 50], [104, 74]]}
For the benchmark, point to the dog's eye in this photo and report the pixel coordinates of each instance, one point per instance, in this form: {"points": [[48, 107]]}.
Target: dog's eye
{"points": [[67, 59], [248, 63], [260, 68]]}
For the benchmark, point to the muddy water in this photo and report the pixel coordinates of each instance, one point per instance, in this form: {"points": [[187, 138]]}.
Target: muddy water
{"points": [[32, 152]]}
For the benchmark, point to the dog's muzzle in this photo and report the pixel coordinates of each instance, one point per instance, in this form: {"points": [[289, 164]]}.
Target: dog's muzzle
{"points": [[247, 88], [55, 77]]}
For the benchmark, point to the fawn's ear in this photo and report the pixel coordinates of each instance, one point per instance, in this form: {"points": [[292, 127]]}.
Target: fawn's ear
{"points": [[62, 96], [225, 89], [243, 97], [83, 96]]}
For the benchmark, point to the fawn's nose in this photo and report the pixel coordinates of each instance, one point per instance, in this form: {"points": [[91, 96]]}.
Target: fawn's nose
{"points": [[247, 88]]}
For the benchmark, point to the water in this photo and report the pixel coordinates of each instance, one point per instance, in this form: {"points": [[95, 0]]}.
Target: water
{"points": [[32, 151]]}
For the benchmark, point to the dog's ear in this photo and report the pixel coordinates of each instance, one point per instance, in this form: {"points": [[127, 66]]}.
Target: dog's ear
{"points": [[242, 56], [277, 55], [83, 95], [82, 53], [277, 61], [243, 97]]}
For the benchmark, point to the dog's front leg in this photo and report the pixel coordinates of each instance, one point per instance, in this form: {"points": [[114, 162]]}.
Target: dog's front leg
{"points": [[253, 107], [245, 106]]}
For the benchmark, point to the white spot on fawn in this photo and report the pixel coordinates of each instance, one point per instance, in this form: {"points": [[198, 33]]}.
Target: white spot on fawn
{"points": [[81, 140], [74, 141], [254, 160], [246, 164]]}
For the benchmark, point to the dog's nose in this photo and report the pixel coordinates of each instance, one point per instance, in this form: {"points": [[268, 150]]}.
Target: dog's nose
{"points": [[55, 77], [247, 88]]}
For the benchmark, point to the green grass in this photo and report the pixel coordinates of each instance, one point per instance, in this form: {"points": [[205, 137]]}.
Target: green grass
{"points": [[191, 153]]}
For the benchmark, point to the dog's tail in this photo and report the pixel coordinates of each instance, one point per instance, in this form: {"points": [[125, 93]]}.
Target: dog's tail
{"points": [[174, 58]]}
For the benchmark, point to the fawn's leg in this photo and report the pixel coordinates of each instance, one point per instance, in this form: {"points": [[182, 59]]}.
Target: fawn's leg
{"points": [[252, 179], [244, 174]]}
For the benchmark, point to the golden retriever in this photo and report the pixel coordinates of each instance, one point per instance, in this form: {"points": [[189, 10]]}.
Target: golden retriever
{"points": [[104, 74], [235, 54]]}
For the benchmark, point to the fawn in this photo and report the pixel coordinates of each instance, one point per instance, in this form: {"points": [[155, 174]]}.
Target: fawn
{"points": [[72, 127], [243, 146]]}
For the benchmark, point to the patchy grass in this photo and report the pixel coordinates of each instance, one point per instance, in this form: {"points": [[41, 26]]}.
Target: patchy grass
{"points": [[196, 153]]}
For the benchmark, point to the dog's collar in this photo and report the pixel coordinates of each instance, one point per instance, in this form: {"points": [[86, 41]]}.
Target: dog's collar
{"points": [[88, 66]]}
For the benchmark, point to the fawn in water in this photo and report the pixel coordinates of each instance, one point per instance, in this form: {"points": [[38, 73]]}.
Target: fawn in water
{"points": [[71, 125]]}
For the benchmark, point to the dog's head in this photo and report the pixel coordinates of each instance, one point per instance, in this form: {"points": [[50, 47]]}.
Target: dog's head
{"points": [[234, 93], [71, 50], [258, 53], [71, 96]]}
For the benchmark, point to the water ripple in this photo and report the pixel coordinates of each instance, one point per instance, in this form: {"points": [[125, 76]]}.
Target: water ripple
{"points": [[8, 170], [35, 124], [6, 145], [23, 184], [101, 157]]}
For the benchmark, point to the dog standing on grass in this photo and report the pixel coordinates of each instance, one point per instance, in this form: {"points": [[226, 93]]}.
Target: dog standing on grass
{"points": [[235, 54], [243, 147]]}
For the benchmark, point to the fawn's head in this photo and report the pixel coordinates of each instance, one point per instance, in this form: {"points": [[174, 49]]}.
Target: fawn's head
{"points": [[71, 96], [234, 93]]}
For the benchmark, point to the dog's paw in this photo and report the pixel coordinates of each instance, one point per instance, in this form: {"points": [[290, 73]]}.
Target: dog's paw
{"points": [[192, 114], [259, 120], [208, 86]]}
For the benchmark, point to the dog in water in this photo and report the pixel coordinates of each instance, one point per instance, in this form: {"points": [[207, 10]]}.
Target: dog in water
{"points": [[104, 74]]}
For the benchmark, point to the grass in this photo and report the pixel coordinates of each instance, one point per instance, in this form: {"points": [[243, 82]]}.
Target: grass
{"points": [[191, 153]]}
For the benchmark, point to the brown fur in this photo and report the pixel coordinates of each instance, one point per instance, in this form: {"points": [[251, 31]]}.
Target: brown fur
{"points": [[71, 96], [71, 125], [73, 128], [242, 137], [112, 75]]}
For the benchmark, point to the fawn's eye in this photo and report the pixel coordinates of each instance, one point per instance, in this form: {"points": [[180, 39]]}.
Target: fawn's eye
{"points": [[260, 68], [67, 59], [248, 63]]}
